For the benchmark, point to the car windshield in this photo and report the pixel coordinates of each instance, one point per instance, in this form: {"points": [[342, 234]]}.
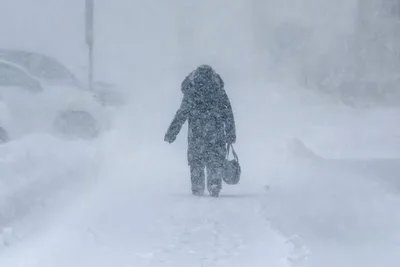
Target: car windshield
{"points": [[41, 66], [13, 76]]}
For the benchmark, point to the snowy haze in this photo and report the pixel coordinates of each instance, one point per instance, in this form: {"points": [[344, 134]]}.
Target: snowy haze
{"points": [[320, 178]]}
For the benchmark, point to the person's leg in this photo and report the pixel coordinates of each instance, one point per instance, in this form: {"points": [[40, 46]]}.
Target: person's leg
{"points": [[214, 162], [197, 178], [214, 178]]}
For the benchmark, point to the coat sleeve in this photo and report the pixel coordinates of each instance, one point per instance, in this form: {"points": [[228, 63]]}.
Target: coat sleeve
{"points": [[229, 119], [180, 118]]}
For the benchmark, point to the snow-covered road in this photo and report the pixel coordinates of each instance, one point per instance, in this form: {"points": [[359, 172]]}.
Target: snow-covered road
{"points": [[137, 218], [124, 200], [159, 229]]}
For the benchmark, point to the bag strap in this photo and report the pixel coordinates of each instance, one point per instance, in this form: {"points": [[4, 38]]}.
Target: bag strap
{"points": [[233, 152]]}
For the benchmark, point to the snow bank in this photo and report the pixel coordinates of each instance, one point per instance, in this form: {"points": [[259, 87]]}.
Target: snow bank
{"points": [[297, 149], [36, 167], [334, 206]]}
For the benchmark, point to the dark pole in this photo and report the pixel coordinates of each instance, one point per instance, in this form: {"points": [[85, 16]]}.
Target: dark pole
{"points": [[91, 66], [90, 38]]}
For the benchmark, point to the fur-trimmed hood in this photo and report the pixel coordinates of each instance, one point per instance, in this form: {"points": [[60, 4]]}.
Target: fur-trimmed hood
{"points": [[203, 76]]}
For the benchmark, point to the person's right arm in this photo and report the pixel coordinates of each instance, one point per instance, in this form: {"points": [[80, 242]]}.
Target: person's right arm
{"points": [[180, 118]]}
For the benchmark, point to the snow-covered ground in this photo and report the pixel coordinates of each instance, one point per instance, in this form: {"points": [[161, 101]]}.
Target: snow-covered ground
{"points": [[319, 185], [124, 200], [130, 206]]}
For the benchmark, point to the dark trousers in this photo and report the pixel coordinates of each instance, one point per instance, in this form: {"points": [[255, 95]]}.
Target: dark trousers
{"points": [[214, 177]]}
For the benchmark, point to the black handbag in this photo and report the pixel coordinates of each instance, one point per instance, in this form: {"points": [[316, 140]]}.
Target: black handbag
{"points": [[232, 170]]}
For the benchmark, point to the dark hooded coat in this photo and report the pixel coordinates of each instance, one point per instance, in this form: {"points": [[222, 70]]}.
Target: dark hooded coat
{"points": [[207, 108]]}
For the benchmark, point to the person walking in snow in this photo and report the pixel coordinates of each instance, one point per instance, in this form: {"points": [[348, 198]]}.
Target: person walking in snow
{"points": [[207, 108]]}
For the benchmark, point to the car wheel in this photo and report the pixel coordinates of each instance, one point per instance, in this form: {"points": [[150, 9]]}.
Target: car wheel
{"points": [[76, 124]]}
